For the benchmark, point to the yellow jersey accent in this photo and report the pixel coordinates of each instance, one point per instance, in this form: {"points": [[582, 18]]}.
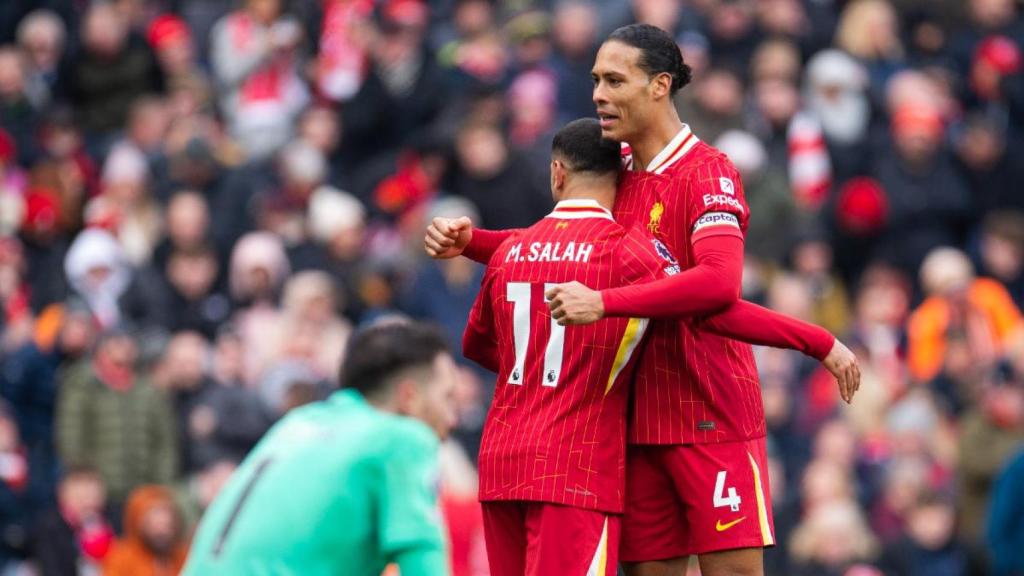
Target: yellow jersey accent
{"points": [[654, 223], [762, 510], [634, 331]]}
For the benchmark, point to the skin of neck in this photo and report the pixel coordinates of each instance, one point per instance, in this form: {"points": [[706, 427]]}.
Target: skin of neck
{"points": [[655, 135], [586, 186]]}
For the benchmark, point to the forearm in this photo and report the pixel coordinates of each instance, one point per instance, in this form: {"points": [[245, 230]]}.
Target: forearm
{"points": [[484, 243], [755, 324], [711, 285]]}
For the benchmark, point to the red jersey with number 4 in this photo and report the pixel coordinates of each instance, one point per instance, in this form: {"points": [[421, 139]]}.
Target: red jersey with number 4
{"points": [[555, 431], [691, 386]]}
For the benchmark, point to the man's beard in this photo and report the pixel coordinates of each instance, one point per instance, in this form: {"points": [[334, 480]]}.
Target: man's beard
{"points": [[844, 120]]}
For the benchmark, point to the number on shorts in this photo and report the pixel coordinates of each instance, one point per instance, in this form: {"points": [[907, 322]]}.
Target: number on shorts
{"points": [[518, 293], [732, 500]]}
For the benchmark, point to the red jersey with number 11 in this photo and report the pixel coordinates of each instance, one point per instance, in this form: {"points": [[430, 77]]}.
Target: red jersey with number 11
{"points": [[556, 428]]}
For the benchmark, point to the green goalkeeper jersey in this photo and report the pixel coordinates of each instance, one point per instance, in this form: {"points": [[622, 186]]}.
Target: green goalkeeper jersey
{"points": [[336, 487]]}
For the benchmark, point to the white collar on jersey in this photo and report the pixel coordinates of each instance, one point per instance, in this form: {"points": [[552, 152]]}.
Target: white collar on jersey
{"points": [[580, 208], [680, 144]]}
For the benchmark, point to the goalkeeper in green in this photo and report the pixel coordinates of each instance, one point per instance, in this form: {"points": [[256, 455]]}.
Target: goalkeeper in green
{"points": [[347, 485]]}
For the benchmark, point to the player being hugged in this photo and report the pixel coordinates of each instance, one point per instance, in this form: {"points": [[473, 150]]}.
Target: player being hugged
{"points": [[696, 467]]}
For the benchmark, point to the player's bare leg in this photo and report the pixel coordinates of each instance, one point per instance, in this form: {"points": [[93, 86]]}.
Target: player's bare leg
{"points": [[673, 567], [741, 562]]}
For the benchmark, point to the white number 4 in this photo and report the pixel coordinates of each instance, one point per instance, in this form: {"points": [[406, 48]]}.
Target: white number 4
{"points": [[732, 500]]}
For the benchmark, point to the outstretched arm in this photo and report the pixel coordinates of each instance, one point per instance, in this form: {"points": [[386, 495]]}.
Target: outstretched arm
{"points": [[755, 324]]}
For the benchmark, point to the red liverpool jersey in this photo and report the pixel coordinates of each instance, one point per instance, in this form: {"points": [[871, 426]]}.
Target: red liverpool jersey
{"points": [[555, 431], [691, 386]]}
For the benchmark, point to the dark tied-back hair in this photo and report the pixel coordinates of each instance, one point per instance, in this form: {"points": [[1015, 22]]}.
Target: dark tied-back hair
{"points": [[377, 354], [659, 53], [580, 145]]}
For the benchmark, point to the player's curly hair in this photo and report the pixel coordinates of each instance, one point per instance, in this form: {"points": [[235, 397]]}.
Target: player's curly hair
{"points": [[659, 52]]}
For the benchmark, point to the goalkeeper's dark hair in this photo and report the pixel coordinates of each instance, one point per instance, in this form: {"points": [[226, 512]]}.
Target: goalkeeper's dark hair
{"points": [[580, 145], [378, 355], [659, 53]]}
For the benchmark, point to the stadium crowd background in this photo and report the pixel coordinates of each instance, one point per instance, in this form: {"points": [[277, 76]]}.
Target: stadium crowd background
{"points": [[201, 199]]}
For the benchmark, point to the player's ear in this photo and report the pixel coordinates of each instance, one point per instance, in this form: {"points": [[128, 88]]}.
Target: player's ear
{"points": [[557, 175], [407, 397], [661, 85]]}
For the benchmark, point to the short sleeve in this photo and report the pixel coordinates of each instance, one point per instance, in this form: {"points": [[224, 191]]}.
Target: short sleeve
{"points": [[717, 201]]}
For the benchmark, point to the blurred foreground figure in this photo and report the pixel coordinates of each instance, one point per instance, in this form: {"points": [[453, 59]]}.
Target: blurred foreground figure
{"points": [[347, 485]]}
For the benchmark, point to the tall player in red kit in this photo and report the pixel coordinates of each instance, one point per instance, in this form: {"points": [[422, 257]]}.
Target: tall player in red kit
{"points": [[696, 474], [552, 459]]}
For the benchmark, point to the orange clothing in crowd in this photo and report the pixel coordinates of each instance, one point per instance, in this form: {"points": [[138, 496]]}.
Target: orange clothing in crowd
{"points": [[130, 556], [991, 320]]}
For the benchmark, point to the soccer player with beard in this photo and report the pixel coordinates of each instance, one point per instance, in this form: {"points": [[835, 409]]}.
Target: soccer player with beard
{"points": [[696, 467]]}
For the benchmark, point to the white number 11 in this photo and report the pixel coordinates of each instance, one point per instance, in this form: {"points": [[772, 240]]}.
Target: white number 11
{"points": [[518, 293]]}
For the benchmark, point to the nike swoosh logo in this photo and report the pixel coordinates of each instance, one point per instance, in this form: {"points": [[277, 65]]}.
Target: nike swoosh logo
{"points": [[723, 527]]}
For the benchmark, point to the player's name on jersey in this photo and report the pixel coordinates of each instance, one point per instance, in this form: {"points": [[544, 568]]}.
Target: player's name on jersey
{"points": [[550, 252]]}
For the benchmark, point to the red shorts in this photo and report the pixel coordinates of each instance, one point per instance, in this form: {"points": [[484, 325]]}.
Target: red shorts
{"points": [[692, 499], [540, 539]]}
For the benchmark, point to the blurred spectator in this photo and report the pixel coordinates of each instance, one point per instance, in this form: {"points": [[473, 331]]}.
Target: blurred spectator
{"points": [[403, 88], [811, 259], [1005, 534], [337, 226], [137, 443], [17, 115], [574, 38], [977, 312], [73, 537], [832, 539], [113, 67], [928, 200], [15, 314], [930, 546], [442, 291], [191, 276], [1002, 252], [995, 79], [126, 206], [307, 329], [989, 434], [181, 375], [187, 85], [29, 381], [714, 104], [15, 497], [42, 38], [772, 210], [154, 536], [991, 164], [186, 225], [869, 30], [495, 179], [194, 494], [255, 64], [228, 417], [98, 275], [837, 98]]}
